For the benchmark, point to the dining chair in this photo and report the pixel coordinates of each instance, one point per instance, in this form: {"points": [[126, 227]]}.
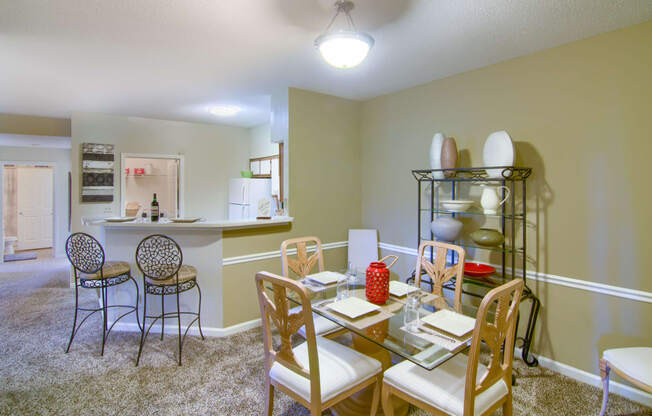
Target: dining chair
{"points": [[160, 260], [633, 364], [319, 372], [91, 271], [437, 271], [462, 386], [301, 267], [363, 249]]}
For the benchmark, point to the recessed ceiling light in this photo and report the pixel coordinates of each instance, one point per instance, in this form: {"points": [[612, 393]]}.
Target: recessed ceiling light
{"points": [[224, 110]]}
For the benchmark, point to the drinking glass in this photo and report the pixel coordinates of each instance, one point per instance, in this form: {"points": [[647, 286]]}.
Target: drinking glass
{"points": [[343, 288], [411, 313]]}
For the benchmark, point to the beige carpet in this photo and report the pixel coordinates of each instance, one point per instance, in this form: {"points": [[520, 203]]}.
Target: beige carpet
{"points": [[219, 376]]}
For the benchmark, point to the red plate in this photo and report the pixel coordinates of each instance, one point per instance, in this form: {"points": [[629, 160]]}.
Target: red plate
{"points": [[478, 269]]}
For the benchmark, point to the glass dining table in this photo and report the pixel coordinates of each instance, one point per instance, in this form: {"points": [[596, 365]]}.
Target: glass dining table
{"points": [[384, 332]]}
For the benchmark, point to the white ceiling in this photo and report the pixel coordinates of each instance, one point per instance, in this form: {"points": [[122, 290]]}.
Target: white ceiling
{"points": [[173, 59]]}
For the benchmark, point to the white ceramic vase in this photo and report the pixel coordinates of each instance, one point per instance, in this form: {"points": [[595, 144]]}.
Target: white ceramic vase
{"points": [[498, 150], [435, 154]]}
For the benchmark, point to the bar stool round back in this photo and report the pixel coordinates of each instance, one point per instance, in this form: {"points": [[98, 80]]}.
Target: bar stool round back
{"points": [[91, 271], [160, 260]]}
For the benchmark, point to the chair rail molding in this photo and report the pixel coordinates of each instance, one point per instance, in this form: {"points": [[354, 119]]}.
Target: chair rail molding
{"points": [[277, 253], [604, 289]]}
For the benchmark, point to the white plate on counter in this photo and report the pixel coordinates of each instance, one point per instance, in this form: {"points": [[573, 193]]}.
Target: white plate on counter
{"points": [[184, 220], [451, 322], [353, 307], [119, 219]]}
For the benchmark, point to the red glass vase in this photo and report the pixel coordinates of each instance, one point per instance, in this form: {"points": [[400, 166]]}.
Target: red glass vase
{"points": [[377, 285]]}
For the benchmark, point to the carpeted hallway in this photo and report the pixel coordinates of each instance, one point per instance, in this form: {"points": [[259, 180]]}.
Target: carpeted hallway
{"points": [[218, 377]]}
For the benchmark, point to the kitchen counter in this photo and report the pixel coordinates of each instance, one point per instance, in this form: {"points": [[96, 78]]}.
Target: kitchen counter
{"points": [[201, 243], [223, 224]]}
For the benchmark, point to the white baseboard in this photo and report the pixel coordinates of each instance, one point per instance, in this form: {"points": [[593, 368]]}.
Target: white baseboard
{"points": [[629, 392], [172, 329]]}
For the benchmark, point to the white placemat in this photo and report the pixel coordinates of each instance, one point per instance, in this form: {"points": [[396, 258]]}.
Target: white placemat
{"points": [[451, 322], [325, 278], [399, 289]]}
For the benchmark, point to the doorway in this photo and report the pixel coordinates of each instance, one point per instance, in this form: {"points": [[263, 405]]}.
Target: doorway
{"points": [[27, 211]]}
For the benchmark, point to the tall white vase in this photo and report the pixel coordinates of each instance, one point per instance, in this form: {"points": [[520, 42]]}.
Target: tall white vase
{"points": [[435, 154]]}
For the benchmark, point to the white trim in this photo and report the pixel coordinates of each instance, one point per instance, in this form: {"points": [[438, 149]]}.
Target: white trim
{"points": [[123, 177], [274, 254], [194, 330], [624, 390], [398, 249], [604, 289]]}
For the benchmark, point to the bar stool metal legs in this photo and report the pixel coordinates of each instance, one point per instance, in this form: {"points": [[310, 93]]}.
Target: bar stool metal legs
{"points": [[160, 260], [91, 271]]}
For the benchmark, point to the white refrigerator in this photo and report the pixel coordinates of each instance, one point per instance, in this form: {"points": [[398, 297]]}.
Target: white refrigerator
{"points": [[244, 194]]}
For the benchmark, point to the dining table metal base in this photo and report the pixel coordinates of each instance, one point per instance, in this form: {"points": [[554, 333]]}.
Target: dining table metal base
{"points": [[359, 404]]}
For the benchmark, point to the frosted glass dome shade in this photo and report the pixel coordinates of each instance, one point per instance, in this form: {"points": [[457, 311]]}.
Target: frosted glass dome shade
{"points": [[344, 49]]}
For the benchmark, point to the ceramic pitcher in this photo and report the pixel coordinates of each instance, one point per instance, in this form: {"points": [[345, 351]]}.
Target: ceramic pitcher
{"points": [[490, 200]]}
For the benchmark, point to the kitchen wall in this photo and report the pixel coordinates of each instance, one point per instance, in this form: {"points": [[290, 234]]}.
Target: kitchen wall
{"points": [[325, 201], [60, 158], [579, 115], [213, 154], [260, 142], [162, 180]]}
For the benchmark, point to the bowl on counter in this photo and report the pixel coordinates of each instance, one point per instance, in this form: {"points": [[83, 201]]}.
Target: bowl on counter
{"points": [[460, 205], [478, 269], [487, 237]]}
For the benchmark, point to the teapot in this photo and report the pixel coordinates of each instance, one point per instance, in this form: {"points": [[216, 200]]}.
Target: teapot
{"points": [[490, 200]]}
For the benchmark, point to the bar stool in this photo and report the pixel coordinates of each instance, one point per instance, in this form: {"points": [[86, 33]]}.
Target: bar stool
{"points": [[86, 256], [160, 260]]}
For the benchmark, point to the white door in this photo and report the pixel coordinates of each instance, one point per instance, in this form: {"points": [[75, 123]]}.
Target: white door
{"points": [[35, 207]]}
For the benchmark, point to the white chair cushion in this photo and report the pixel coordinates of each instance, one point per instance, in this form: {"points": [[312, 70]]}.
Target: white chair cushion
{"points": [[322, 325], [340, 368], [443, 387], [635, 362]]}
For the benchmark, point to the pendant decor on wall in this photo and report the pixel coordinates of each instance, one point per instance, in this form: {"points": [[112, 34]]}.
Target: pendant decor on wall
{"points": [[97, 172]]}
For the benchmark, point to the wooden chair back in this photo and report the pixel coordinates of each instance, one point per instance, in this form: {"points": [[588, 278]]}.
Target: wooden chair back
{"points": [[498, 334], [437, 271], [303, 264], [276, 311]]}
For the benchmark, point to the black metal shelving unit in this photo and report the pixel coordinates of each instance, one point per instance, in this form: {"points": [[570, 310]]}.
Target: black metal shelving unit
{"points": [[509, 215]]}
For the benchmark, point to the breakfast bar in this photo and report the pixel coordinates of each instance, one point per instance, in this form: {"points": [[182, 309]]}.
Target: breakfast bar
{"points": [[201, 245]]}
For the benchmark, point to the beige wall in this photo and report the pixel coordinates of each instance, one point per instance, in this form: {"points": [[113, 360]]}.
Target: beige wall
{"points": [[61, 159], [324, 153], [580, 117], [34, 126], [212, 155]]}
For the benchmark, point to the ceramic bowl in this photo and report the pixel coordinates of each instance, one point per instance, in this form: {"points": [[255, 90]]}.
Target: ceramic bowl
{"points": [[478, 269], [446, 228], [456, 205], [487, 237]]}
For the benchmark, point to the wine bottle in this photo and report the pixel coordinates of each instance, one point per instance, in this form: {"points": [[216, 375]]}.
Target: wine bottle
{"points": [[154, 211]]}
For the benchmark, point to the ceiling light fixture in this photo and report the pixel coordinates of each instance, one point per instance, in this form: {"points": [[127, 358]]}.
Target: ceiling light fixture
{"points": [[224, 110], [345, 48]]}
